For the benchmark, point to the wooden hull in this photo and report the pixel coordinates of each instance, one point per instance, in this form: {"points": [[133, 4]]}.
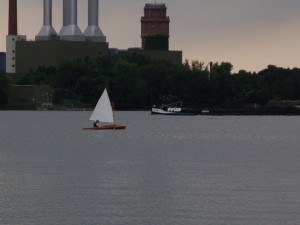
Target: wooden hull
{"points": [[107, 127]]}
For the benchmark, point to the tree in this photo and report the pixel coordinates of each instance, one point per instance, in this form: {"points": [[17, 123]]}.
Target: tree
{"points": [[221, 92], [135, 81]]}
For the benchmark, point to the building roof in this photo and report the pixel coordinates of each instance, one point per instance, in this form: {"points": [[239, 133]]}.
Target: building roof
{"points": [[155, 5]]}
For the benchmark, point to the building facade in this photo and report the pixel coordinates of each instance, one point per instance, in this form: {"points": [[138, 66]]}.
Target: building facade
{"points": [[155, 27], [11, 51], [33, 54], [50, 49]]}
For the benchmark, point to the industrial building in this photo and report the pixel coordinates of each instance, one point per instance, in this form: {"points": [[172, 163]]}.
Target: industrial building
{"points": [[51, 48], [155, 35]]}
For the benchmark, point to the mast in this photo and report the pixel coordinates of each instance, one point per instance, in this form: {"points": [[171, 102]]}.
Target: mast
{"points": [[113, 109]]}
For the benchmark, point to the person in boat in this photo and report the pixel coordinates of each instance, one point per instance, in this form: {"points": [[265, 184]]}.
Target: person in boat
{"points": [[96, 124]]}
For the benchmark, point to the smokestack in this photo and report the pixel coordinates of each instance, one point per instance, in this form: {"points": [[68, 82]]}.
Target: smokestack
{"points": [[47, 32], [93, 32], [12, 38], [66, 16], [13, 22], [73, 12], [71, 31]]}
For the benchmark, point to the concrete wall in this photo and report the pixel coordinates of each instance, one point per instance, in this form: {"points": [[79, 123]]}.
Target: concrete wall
{"points": [[11, 51], [172, 56], [31, 55]]}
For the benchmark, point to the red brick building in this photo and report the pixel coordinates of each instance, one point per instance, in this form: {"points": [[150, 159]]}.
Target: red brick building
{"points": [[155, 27]]}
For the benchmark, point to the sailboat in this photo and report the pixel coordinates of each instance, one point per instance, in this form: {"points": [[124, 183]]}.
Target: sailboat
{"points": [[104, 113]]}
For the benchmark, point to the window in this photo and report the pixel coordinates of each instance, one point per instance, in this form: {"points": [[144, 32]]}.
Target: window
{"points": [[153, 27]]}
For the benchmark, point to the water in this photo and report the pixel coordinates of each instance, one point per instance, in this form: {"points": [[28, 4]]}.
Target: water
{"points": [[161, 170]]}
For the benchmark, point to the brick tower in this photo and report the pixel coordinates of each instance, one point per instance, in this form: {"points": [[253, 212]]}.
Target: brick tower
{"points": [[155, 27], [12, 21]]}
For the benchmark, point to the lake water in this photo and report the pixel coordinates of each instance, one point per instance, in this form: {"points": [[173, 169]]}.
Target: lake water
{"points": [[161, 170]]}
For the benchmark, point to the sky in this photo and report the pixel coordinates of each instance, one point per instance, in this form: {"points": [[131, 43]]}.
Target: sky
{"points": [[250, 34]]}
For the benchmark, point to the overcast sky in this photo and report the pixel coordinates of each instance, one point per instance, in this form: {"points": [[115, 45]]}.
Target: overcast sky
{"points": [[250, 34]]}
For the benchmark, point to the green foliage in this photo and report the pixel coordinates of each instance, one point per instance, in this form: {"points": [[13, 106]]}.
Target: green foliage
{"points": [[136, 82], [43, 75]]}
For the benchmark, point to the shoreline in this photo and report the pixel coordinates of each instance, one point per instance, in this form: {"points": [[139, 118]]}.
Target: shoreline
{"points": [[263, 111]]}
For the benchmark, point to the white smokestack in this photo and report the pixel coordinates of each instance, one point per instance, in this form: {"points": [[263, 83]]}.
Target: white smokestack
{"points": [[93, 32], [47, 32], [71, 31], [66, 16], [73, 12]]}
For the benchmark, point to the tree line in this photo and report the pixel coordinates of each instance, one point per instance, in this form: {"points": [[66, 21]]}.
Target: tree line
{"points": [[136, 82]]}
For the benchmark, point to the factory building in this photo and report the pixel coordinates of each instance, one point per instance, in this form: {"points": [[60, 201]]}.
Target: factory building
{"points": [[50, 47]]}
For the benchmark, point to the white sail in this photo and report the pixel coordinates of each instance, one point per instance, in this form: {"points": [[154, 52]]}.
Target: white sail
{"points": [[103, 110]]}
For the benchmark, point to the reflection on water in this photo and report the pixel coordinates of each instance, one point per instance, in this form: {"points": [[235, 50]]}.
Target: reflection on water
{"points": [[160, 170]]}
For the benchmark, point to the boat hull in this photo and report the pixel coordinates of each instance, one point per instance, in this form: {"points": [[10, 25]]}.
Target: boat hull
{"points": [[107, 127], [155, 111]]}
